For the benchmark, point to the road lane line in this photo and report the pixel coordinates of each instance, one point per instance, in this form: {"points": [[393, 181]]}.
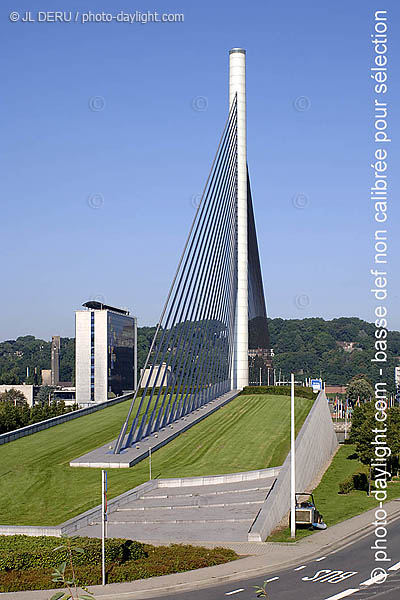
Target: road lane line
{"points": [[234, 592], [319, 559], [343, 594], [395, 567], [301, 568], [272, 579]]}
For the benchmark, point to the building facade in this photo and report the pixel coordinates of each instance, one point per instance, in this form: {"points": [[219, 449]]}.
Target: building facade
{"points": [[160, 377], [29, 391], [104, 358]]}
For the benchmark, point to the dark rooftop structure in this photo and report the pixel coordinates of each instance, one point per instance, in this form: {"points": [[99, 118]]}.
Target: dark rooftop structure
{"points": [[100, 306]]}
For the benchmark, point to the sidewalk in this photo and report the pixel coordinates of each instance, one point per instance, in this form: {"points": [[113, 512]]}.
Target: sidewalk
{"points": [[264, 558]]}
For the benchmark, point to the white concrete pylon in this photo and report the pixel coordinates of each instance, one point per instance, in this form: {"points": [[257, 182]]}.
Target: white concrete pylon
{"points": [[237, 87]]}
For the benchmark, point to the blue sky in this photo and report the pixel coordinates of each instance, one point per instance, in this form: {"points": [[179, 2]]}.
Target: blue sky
{"points": [[148, 152]]}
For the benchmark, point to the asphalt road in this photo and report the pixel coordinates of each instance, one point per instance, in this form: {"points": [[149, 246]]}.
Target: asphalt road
{"points": [[344, 573]]}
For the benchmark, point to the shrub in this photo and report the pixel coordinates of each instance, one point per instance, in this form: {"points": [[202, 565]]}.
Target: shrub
{"points": [[346, 486], [357, 481], [360, 481]]}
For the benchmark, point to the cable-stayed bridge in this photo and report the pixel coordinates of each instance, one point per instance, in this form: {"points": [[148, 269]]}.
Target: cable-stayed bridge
{"points": [[216, 305]]}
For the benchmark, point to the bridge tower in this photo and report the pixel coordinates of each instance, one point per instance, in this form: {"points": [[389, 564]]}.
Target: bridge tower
{"points": [[215, 310], [237, 90]]}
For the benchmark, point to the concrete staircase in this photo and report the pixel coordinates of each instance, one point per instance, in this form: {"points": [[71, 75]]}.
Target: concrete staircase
{"points": [[212, 509]]}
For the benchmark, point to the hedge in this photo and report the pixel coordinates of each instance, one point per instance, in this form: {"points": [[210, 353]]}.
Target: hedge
{"points": [[279, 390], [160, 560], [26, 552]]}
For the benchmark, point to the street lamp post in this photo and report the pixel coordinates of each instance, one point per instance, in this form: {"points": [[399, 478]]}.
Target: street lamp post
{"points": [[292, 463], [103, 524], [135, 365]]}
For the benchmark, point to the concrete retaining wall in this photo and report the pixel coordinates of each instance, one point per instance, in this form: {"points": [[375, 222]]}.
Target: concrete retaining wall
{"points": [[10, 436], [315, 446], [218, 479]]}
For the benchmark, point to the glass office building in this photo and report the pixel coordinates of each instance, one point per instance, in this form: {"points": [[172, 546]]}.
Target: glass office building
{"points": [[120, 343], [105, 341]]}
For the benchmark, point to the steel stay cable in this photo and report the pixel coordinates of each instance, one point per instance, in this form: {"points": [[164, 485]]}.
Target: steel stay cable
{"points": [[208, 351], [198, 212], [174, 331], [200, 346], [207, 291], [203, 350], [200, 224], [196, 288], [202, 315], [232, 280], [207, 393]]}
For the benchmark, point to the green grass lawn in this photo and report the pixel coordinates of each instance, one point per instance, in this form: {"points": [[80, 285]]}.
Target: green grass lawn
{"points": [[338, 507], [38, 487]]}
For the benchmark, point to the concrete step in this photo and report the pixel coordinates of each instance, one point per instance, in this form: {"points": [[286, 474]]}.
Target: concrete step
{"points": [[206, 490], [197, 499], [154, 520], [232, 485], [184, 514]]}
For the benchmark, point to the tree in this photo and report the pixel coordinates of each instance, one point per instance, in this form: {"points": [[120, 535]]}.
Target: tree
{"points": [[13, 416], [393, 438], [362, 413], [14, 397], [360, 389], [364, 446], [45, 395], [10, 378]]}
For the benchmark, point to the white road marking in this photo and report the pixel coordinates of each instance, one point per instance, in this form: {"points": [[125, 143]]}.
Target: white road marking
{"points": [[272, 579], [234, 592], [319, 559], [377, 579], [395, 567], [301, 568], [343, 594]]}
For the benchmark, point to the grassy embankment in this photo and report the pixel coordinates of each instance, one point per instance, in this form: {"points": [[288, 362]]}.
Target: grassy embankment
{"points": [[337, 507], [38, 487]]}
